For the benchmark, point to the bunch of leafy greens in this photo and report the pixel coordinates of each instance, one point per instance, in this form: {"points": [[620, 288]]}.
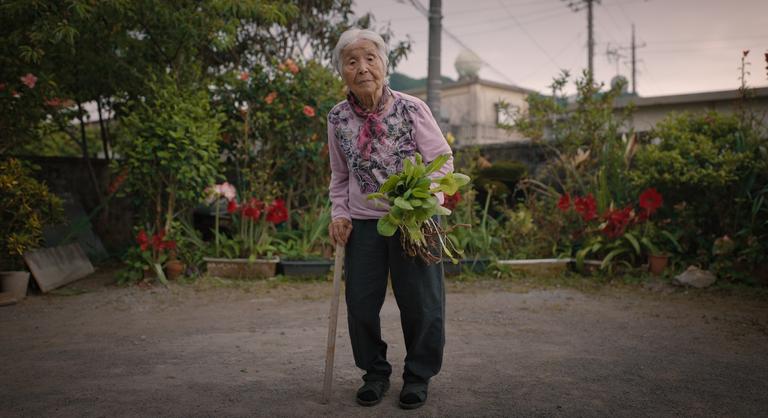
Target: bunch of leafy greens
{"points": [[413, 205]]}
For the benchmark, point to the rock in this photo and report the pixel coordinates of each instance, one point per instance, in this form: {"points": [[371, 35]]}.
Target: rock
{"points": [[696, 277]]}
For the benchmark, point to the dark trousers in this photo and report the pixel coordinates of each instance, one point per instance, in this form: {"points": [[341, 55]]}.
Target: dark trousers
{"points": [[420, 295]]}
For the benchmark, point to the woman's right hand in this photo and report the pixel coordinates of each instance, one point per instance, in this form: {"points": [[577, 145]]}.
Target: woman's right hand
{"points": [[339, 231]]}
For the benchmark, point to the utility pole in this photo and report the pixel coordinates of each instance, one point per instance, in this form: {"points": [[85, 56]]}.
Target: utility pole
{"points": [[633, 48], [577, 6], [434, 80], [634, 67]]}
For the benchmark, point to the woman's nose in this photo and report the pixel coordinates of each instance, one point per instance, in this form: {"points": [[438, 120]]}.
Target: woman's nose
{"points": [[363, 68]]}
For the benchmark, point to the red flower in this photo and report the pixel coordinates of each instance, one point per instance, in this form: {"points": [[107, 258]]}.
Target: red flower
{"points": [[118, 181], [232, 206], [618, 220], [650, 200], [2, 86], [277, 212], [271, 97], [29, 80], [157, 240], [309, 111], [586, 207], [142, 240], [564, 203], [452, 200], [244, 76]]}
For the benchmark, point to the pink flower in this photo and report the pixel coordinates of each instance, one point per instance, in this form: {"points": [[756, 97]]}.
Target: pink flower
{"points": [[54, 102], [271, 97], [309, 111], [29, 80], [217, 191], [244, 76], [226, 190]]}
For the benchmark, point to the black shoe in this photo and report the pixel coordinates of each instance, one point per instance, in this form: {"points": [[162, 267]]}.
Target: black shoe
{"points": [[413, 395], [372, 392]]}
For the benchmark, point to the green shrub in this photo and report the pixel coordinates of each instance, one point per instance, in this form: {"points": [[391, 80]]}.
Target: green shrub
{"points": [[26, 206], [713, 172]]}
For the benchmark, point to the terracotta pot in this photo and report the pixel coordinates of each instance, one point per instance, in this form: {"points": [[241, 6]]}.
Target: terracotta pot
{"points": [[174, 269], [657, 263], [15, 283]]}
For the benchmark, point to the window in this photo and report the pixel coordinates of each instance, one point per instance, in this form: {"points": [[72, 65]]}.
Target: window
{"points": [[506, 113]]}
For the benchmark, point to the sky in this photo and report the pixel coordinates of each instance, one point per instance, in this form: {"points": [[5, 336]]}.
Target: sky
{"points": [[687, 46]]}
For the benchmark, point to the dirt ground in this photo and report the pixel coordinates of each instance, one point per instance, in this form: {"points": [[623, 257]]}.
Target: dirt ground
{"points": [[257, 349]]}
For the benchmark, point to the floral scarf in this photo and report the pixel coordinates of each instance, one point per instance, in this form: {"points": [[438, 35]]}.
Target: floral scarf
{"points": [[373, 128]]}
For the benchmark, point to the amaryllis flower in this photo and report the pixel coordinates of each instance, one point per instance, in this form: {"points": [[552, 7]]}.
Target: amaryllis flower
{"points": [[309, 111], [452, 200], [586, 207], [271, 97], [143, 240], [244, 76], [618, 220], [277, 212], [252, 210], [232, 206], [29, 80], [157, 239], [217, 191], [650, 200], [564, 203]]}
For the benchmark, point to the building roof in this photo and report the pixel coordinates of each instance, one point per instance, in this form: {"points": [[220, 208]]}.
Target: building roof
{"points": [[466, 82], [709, 96]]}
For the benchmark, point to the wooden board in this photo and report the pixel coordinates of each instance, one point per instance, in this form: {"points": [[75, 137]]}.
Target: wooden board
{"points": [[57, 266]]}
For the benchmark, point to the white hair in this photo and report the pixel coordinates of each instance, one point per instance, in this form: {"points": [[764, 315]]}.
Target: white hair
{"points": [[353, 35]]}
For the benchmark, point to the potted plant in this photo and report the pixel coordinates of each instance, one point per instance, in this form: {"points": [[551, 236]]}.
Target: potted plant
{"points": [[655, 238], [26, 205], [147, 259], [302, 249], [244, 244]]}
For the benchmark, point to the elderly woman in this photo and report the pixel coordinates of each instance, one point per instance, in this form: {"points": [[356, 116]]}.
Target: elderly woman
{"points": [[370, 134]]}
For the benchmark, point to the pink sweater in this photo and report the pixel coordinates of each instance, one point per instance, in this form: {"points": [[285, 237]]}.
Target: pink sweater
{"points": [[409, 128]]}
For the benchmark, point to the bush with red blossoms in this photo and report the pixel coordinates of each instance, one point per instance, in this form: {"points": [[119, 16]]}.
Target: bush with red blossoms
{"points": [[618, 234]]}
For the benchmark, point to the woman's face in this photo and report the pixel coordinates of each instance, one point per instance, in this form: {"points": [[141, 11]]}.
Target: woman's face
{"points": [[362, 69]]}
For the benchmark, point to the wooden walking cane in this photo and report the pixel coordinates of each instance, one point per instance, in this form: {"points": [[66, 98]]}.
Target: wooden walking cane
{"points": [[333, 317]]}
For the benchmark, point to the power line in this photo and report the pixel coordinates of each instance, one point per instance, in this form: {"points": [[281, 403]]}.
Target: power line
{"points": [[421, 9], [522, 28]]}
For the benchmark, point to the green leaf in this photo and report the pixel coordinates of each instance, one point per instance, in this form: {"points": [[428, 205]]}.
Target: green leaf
{"points": [[386, 226], [376, 195], [390, 183], [632, 240], [442, 210], [437, 163], [402, 203]]}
